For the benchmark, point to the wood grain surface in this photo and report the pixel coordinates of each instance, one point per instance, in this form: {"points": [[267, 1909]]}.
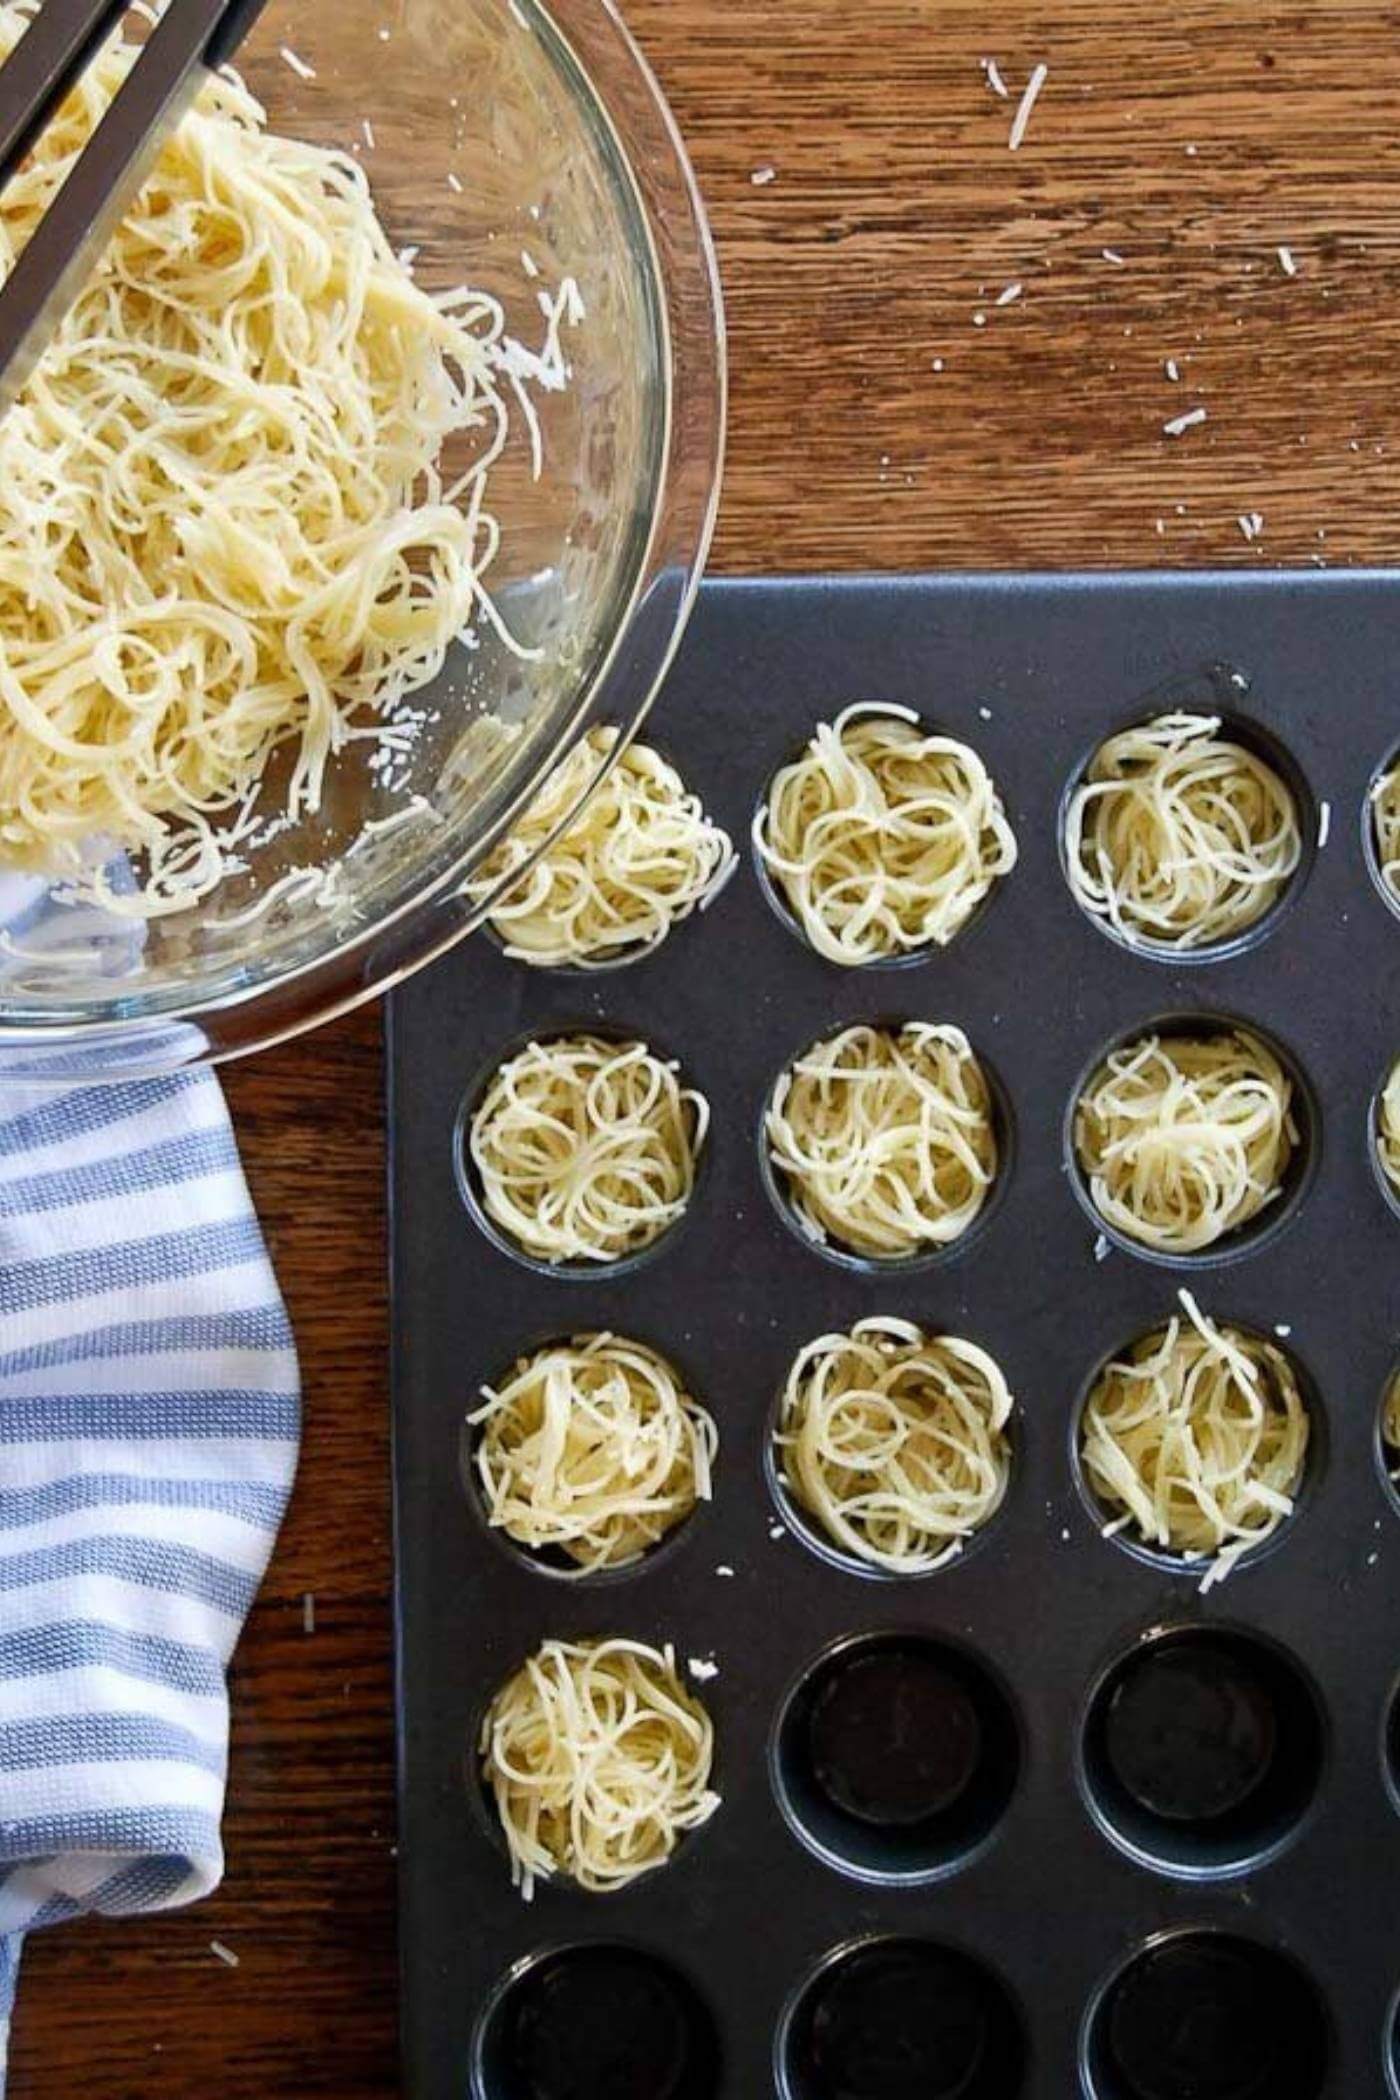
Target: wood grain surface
{"points": [[875, 424]]}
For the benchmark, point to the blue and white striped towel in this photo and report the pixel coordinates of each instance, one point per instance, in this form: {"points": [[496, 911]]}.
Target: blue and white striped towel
{"points": [[149, 1412]]}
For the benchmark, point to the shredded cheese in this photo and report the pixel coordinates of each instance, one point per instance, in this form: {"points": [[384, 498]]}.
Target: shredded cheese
{"points": [[1027, 103]]}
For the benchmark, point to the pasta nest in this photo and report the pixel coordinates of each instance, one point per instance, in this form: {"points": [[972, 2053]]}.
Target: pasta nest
{"points": [[586, 1150], [894, 1442], [885, 1139], [1183, 1139], [1179, 836], [635, 860], [1387, 1135], [598, 1760], [593, 1449], [881, 838], [1196, 1439], [1385, 824]]}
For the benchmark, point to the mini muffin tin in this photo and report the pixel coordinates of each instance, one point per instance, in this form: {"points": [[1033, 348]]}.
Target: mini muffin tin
{"points": [[1048, 1821]]}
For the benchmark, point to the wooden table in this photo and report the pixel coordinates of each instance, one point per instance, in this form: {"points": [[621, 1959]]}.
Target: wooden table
{"points": [[888, 412]]}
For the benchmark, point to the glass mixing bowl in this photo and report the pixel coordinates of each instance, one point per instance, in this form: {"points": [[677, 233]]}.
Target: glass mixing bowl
{"points": [[513, 145]]}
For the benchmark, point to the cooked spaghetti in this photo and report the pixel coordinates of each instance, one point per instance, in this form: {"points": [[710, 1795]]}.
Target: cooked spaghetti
{"points": [[885, 1141], [1385, 822], [1196, 1440], [639, 857], [585, 1150], [1388, 1129], [1180, 837], [591, 1449], [894, 1442], [598, 1760], [223, 526], [882, 838], [1183, 1139]]}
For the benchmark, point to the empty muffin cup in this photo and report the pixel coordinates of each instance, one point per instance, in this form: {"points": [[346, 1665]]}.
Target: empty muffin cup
{"points": [[895, 1757], [1202, 1751], [901, 2019], [598, 2022], [1207, 2016]]}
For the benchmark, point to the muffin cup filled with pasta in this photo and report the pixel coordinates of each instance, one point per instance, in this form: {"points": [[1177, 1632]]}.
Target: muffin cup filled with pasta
{"points": [[1191, 1139], [891, 1450], [1383, 1135], [1196, 1444], [588, 1456], [882, 839], [592, 1763], [1185, 833], [1387, 1437], [616, 852], [886, 1147], [579, 1151], [1380, 830]]}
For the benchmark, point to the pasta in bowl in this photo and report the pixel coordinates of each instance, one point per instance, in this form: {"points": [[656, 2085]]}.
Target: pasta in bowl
{"points": [[403, 509]]}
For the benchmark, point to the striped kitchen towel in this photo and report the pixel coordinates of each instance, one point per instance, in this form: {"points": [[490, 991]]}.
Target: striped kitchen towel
{"points": [[149, 1413]]}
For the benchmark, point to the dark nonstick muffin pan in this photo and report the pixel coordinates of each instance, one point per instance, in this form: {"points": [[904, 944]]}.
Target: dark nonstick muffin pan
{"points": [[1049, 1821]]}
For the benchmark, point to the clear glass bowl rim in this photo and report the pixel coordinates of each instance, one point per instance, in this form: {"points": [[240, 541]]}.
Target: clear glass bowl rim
{"points": [[686, 286]]}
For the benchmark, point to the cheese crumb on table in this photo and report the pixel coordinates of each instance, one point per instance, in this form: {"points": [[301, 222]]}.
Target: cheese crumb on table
{"points": [[1026, 105]]}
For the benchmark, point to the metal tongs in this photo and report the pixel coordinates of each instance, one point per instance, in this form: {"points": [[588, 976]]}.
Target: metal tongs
{"points": [[191, 38]]}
